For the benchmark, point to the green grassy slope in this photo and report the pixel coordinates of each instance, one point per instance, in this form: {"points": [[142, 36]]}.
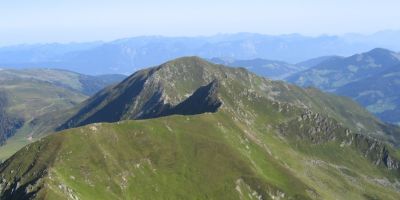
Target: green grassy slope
{"points": [[32, 93], [207, 156], [31, 99]]}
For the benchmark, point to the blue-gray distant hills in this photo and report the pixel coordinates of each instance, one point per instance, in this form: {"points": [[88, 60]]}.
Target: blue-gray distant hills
{"points": [[128, 55], [371, 78], [272, 69]]}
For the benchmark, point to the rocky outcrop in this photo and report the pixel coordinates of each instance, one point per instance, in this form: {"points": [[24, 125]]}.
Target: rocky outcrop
{"points": [[318, 129], [205, 99], [154, 92], [376, 151]]}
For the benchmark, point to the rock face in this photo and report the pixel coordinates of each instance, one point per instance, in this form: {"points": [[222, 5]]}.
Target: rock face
{"points": [[317, 129], [202, 100], [154, 92], [8, 124]]}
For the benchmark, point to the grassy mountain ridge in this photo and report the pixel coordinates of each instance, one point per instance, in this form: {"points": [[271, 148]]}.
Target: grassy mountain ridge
{"points": [[156, 154], [262, 139], [210, 155], [149, 90]]}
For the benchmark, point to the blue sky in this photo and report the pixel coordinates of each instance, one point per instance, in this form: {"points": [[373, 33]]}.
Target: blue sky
{"points": [[31, 21]]}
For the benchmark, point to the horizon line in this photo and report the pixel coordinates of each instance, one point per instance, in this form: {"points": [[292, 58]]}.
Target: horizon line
{"points": [[194, 36]]}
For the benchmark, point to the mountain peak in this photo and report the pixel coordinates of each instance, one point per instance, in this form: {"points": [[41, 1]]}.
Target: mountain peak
{"points": [[188, 59], [154, 92], [170, 87], [380, 52], [187, 63]]}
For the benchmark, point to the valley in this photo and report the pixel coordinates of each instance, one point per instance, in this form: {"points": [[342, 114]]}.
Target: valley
{"points": [[370, 78], [31, 93]]}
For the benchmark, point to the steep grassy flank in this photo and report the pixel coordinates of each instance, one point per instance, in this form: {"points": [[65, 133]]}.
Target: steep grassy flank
{"points": [[167, 158], [206, 156]]}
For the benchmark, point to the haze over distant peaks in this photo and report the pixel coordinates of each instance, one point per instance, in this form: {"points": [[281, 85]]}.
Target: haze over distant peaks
{"points": [[128, 55], [370, 78]]}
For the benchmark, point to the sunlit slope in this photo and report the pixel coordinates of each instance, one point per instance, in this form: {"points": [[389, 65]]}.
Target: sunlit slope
{"points": [[207, 156], [204, 131], [31, 93]]}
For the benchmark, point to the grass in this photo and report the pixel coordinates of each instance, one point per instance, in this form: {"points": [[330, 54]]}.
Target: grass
{"points": [[29, 98], [145, 159], [206, 156], [12, 146]]}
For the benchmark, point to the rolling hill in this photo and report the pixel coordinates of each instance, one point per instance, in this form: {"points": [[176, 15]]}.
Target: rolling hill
{"points": [[307, 64], [30, 93], [369, 78], [190, 129]]}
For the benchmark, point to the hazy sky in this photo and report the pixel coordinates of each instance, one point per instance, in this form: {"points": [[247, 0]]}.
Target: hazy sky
{"points": [[31, 21]]}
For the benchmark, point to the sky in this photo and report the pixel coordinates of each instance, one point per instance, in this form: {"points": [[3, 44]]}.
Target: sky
{"points": [[43, 21]]}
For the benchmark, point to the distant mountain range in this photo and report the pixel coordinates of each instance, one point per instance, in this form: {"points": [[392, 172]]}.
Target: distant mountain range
{"points": [[268, 68], [205, 131], [273, 69], [125, 56], [370, 78]]}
